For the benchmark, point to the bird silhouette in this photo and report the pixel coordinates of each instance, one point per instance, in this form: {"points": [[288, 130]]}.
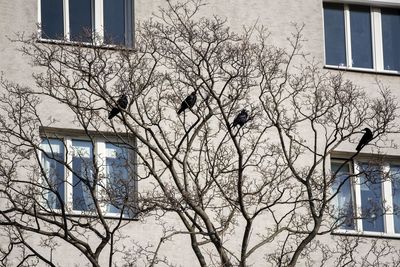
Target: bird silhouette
{"points": [[365, 139], [188, 102], [241, 118], [122, 103]]}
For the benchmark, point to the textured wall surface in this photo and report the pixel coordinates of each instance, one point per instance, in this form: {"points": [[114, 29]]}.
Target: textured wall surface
{"points": [[277, 16]]}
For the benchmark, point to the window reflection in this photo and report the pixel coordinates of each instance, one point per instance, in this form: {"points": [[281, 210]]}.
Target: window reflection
{"points": [[120, 185], [52, 19], [335, 47], [52, 161], [361, 37], [80, 20], [82, 181], [391, 38], [371, 198], [344, 199]]}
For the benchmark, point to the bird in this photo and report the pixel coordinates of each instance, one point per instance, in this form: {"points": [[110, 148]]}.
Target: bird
{"points": [[365, 139], [188, 102], [241, 118], [122, 103]]}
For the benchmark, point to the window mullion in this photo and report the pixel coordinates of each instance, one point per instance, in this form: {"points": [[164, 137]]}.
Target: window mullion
{"points": [[39, 20], [66, 20], [98, 22], [347, 32], [357, 191], [377, 38]]}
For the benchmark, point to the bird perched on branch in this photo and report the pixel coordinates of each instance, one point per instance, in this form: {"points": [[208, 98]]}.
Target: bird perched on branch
{"points": [[241, 118], [188, 102], [365, 139], [122, 103]]}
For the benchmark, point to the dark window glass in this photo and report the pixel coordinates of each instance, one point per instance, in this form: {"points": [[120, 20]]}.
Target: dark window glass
{"points": [[80, 20], [335, 46], [82, 166], [391, 38], [52, 163], [114, 22], [118, 22], [52, 19], [344, 201], [371, 198], [361, 37]]}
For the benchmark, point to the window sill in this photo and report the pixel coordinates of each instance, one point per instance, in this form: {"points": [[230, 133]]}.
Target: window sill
{"points": [[83, 44], [78, 214], [380, 3], [372, 71], [366, 234]]}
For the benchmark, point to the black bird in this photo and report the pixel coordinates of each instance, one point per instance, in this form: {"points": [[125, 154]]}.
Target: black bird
{"points": [[365, 139], [241, 118], [122, 104], [188, 102]]}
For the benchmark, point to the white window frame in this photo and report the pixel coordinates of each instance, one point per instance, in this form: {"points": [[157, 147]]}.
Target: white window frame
{"points": [[376, 35], [387, 199], [97, 23], [99, 151]]}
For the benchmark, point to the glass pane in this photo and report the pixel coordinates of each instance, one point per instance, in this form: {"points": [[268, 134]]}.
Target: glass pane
{"points": [[53, 152], [335, 46], [114, 22], [82, 166], [344, 199], [395, 176], [120, 185], [371, 198], [80, 20], [361, 37], [52, 19], [391, 38]]}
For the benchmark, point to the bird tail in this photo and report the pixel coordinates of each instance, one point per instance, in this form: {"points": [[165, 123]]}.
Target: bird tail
{"points": [[113, 113], [180, 111], [359, 147]]}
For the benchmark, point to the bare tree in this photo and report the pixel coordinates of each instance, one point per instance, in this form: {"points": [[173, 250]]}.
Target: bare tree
{"points": [[261, 191]]}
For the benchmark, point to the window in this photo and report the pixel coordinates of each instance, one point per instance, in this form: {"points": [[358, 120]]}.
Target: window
{"points": [[344, 198], [88, 21], [368, 198], [362, 37], [52, 163], [77, 172]]}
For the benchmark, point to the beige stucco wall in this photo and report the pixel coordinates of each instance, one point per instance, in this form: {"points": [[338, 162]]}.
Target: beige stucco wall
{"points": [[278, 16]]}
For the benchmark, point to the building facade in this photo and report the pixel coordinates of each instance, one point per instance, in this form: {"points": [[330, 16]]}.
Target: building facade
{"points": [[357, 39]]}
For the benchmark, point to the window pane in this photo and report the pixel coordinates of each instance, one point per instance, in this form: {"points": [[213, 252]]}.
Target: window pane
{"points": [[82, 166], [120, 185], [395, 176], [114, 22], [335, 46], [361, 38], [391, 38], [344, 201], [80, 20], [371, 198], [54, 171], [52, 19]]}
